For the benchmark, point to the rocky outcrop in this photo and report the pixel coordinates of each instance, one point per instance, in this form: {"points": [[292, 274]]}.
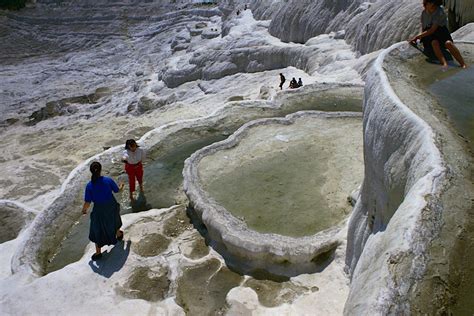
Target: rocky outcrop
{"points": [[369, 26], [215, 64], [461, 12]]}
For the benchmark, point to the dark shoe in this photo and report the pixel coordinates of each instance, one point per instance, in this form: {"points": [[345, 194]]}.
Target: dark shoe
{"points": [[120, 236], [96, 256]]}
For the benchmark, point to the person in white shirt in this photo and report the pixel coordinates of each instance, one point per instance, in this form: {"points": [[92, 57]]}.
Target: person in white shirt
{"points": [[133, 157]]}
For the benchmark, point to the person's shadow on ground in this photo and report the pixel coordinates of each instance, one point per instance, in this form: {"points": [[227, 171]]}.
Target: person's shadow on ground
{"points": [[112, 261], [140, 204]]}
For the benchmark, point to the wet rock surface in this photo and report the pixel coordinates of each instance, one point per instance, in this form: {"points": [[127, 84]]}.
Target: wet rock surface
{"points": [[151, 245], [202, 289], [150, 284], [271, 294], [200, 249], [177, 224]]}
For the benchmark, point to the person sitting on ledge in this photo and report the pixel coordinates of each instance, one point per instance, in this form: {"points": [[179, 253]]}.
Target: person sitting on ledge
{"points": [[293, 84], [300, 82], [435, 32]]}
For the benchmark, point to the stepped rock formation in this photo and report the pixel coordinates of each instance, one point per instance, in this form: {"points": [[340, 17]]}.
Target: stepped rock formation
{"points": [[461, 12], [80, 77], [413, 222], [369, 25]]}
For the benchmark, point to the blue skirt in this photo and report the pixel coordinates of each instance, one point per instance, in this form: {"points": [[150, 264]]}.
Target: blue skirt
{"points": [[105, 221]]}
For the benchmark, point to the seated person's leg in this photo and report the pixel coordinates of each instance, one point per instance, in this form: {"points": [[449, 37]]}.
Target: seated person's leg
{"points": [[455, 52], [437, 50], [427, 48]]}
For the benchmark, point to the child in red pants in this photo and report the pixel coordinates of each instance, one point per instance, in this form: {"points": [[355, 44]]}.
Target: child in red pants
{"points": [[133, 157]]}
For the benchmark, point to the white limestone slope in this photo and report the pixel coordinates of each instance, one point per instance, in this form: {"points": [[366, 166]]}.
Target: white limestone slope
{"points": [[463, 10], [392, 222], [397, 214], [369, 25]]}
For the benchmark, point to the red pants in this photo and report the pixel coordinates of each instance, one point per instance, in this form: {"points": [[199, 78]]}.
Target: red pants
{"points": [[134, 171]]}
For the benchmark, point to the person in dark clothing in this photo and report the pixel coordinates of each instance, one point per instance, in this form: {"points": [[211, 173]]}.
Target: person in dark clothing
{"points": [[105, 216], [282, 81], [300, 82], [293, 83], [435, 32]]}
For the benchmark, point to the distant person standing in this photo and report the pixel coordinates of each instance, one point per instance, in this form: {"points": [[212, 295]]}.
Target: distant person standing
{"points": [[105, 216], [300, 82], [282, 81], [133, 158], [435, 32]]}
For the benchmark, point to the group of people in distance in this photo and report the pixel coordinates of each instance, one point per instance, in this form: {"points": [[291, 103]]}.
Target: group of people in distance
{"points": [[105, 221], [293, 83], [435, 34]]}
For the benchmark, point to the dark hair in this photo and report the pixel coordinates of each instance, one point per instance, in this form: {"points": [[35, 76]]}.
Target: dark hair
{"points": [[129, 143], [435, 2], [95, 169]]}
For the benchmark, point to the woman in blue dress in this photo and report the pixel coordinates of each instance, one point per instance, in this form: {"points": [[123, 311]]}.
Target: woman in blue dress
{"points": [[105, 216]]}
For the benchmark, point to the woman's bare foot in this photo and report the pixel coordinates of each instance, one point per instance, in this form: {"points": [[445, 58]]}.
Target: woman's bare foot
{"points": [[463, 66], [444, 68]]}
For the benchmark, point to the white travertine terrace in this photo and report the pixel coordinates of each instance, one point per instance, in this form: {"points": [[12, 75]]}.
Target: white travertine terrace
{"points": [[402, 208], [61, 50], [255, 251], [49, 228]]}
